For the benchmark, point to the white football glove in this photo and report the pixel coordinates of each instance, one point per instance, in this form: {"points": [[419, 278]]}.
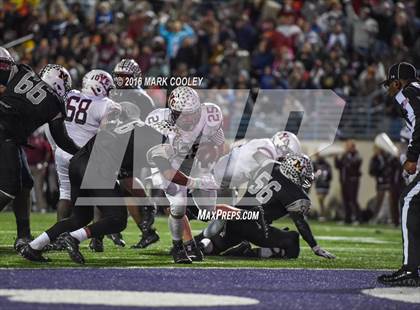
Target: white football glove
{"points": [[323, 253], [205, 182]]}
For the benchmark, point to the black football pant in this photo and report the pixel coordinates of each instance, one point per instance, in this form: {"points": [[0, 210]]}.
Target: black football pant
{"points": [[238, 231], [114, 218], [410, 224], [15, 182]]}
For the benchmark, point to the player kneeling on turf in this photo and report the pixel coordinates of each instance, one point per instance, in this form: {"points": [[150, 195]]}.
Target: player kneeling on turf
{"points": [[279, 187]]}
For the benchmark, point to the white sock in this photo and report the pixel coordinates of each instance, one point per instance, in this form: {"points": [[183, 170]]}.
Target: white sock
{"points": [[40, 242], [79, 234], [176, 226]]}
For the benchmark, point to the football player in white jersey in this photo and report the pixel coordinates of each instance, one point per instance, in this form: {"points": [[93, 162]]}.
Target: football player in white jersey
{"points": [[86, 111], [236, 167], [190, 125]]}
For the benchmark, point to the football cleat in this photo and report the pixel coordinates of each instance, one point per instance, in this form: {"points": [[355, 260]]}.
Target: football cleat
{"points": [[179, 253], [147, 239], [72, 247], [32, 254], [193, 251], [401, 277], [21, 242], [243, 249], [57, 245], [96, 245], [117, 239]]}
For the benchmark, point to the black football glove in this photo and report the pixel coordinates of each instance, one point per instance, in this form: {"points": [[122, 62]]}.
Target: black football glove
{"points": [[323, 253]]}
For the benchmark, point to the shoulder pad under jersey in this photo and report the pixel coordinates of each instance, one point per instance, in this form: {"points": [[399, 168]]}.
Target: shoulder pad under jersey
{"points": [[157, 116], [164, 128]]}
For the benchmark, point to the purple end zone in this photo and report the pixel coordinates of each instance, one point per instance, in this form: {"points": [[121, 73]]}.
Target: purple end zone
{"points": [[274, 288]]}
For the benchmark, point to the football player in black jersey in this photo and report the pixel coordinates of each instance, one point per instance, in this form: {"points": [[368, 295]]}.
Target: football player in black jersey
{"points": [[279, 187], [27, 103], [109, 152], [127, 78]]}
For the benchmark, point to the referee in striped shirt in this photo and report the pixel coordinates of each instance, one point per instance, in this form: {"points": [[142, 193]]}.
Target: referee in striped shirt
{"points": [[403, 86]]}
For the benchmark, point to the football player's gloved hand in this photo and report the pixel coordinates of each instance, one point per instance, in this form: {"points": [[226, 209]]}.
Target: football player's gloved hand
{"points": [[323, 253], [205, 182]]}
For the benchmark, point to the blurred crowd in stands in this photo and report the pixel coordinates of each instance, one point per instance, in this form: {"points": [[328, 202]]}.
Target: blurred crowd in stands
{"points": [[342, 45]]}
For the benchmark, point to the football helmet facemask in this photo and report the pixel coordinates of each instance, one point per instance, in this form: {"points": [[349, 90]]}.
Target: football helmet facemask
{"points": [[7, 66], [57, 77], [185, 107], [97, 83]]}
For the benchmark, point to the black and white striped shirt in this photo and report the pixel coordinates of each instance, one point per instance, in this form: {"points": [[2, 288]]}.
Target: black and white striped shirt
{"points": [[409, 101]]}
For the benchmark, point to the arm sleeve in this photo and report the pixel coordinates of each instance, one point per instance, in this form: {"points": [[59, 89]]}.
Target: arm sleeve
{"points": [[159, 155], [162, 163], [350, 11], [218, 137], [187, 31], [163, 32], [413, 150], [61, 137], [303, 228]]}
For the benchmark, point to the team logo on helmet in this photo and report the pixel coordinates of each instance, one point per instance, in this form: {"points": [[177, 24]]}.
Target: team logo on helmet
{"points": [[298, 169], [185, 107], [286, 142], [97, 83], [57, 77]]}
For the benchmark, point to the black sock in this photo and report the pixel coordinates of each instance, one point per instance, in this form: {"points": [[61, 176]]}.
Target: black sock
{"points": [[177, 243], [23, 228], [199, 237]]}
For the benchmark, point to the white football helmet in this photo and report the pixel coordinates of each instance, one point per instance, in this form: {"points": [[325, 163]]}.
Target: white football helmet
{"points": [[97, 83], [286, 142], [126, 68], [185, 107], [57, 77], [7, 66], [298, 169]]}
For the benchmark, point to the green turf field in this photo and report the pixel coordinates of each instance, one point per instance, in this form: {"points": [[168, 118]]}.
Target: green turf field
{"points": [[364, 246]]}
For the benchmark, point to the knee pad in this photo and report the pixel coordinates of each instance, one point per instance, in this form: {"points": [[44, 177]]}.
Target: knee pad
{"points": [[178, 211]]}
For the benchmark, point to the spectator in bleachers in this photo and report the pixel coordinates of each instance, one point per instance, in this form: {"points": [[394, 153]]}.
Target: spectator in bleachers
{"points": [[349, 165], [38, 153], [381, 169], [329, 39]]}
